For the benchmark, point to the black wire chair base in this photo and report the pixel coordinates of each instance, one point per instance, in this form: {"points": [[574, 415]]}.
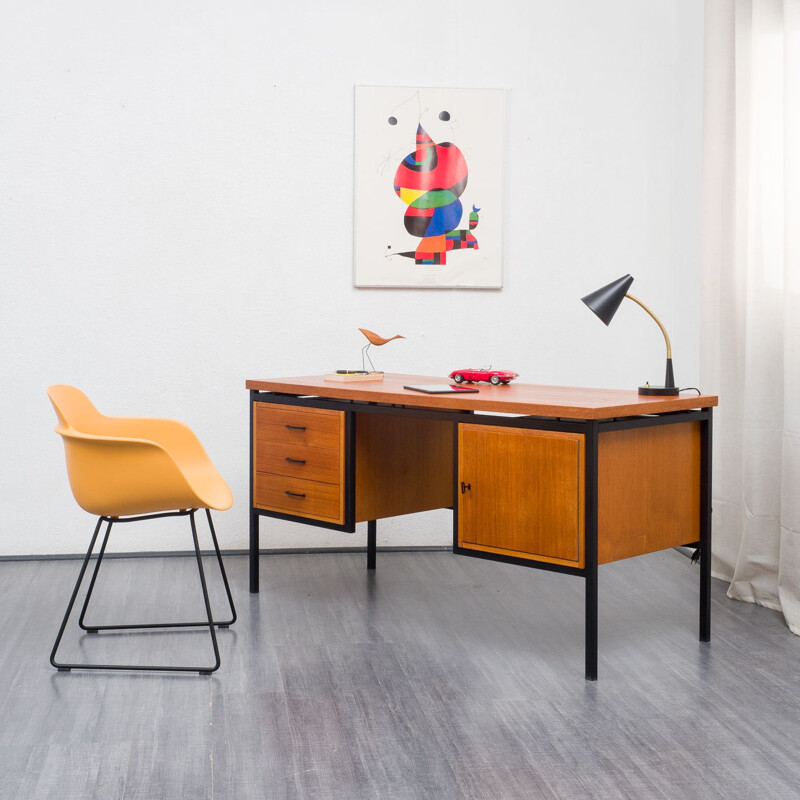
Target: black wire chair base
{"points": [[209, 623]]}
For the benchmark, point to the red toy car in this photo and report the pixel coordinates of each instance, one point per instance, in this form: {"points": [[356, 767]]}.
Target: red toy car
{"points": [[493, 376]]}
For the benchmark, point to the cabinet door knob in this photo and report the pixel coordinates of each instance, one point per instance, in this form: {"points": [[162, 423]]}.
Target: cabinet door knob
{"points": [[294, 494], [295, 427], [465, 486], [295, 460]]}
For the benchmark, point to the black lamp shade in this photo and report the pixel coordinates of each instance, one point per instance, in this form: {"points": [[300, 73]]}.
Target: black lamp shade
{"points": [[605, 302]]}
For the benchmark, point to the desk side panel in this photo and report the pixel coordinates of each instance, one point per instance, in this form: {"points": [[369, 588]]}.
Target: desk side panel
{"points": [[403, 465], [649, 490]]}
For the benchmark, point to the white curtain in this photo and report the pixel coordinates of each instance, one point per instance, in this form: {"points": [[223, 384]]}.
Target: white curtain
{"points": [[751, 295]]}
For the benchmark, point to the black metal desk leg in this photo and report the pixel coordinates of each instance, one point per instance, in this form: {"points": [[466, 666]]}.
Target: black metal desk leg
{"points": [[253, 516], [590, 548], [705, 529], [254, 547], [591, 625], [372, 539]]}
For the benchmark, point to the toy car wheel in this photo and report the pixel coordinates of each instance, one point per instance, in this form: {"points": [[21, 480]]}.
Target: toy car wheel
{"points": [[458, 378], [495, 380], [505, 383]]}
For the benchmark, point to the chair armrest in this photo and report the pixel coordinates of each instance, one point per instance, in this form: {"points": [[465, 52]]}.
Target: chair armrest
{"points": [[119, 476], [174, 436]]}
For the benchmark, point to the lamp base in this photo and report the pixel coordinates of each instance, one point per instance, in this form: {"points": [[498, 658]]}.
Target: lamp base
{"points": [[659, 391]]}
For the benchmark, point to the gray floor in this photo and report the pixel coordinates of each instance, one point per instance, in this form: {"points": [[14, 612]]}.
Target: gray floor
{"points": [[437, 677]]}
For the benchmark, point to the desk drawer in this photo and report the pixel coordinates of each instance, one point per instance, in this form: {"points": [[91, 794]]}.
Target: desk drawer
{"points": [[312, 427], [300, 461], [288, 495]]}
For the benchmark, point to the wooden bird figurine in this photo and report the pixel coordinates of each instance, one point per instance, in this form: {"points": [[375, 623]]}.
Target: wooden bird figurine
{"points": [[373, 338]]}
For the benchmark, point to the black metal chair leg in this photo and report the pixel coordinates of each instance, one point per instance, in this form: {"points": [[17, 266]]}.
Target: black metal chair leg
{"points": [[145, 626], [223, 573], [203, 670], [67, 667], [94, 578], [205, 598]]}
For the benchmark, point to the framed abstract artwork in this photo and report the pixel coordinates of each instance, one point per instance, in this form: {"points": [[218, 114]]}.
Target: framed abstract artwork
{"points": [[428, 187]]}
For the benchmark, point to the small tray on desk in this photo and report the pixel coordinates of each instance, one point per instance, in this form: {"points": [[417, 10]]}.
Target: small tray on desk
{"points": [[347, 377]]}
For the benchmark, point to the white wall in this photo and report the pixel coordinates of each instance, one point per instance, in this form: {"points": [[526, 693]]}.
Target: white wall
{"points": [[176, 216]]}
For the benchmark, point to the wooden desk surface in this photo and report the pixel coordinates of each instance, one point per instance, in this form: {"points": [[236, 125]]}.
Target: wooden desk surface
{"points": [[516, 398]]}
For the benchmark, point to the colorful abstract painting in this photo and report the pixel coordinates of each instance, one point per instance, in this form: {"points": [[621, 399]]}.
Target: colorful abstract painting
{"points": [[428, 173]]}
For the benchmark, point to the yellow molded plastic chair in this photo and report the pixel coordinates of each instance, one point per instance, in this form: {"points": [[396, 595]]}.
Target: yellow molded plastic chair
{"points": [[127, 469]]}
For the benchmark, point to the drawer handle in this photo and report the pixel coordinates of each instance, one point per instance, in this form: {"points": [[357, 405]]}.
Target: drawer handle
{"points": [[294, 494], [295, 427], [295, 460]]}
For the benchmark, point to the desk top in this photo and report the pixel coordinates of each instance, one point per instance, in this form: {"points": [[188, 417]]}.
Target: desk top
{"points": [[515, 398]]}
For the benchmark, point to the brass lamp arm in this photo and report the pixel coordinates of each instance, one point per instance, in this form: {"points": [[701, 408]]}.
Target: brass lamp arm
{"points": [[658, 322]]}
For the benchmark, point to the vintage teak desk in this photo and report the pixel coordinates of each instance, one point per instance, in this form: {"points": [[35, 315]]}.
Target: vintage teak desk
{"points": [[556, 478]]}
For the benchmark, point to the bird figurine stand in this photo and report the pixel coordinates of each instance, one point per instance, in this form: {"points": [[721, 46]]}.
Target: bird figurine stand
{"points": [[364, 374]]}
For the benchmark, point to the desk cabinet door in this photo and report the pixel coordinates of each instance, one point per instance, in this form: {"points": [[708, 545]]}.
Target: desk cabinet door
{"points": [[521, 493]]}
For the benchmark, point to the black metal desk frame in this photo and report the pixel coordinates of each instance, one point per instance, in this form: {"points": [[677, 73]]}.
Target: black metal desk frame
{"points": [[591, 429]]}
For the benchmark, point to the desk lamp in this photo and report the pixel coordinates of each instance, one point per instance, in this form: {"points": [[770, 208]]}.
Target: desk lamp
{"points": [[605, 302]]}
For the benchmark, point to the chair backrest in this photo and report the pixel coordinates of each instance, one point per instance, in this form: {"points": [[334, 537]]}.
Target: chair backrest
{"points": [[112, 474], [74, 409]]}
